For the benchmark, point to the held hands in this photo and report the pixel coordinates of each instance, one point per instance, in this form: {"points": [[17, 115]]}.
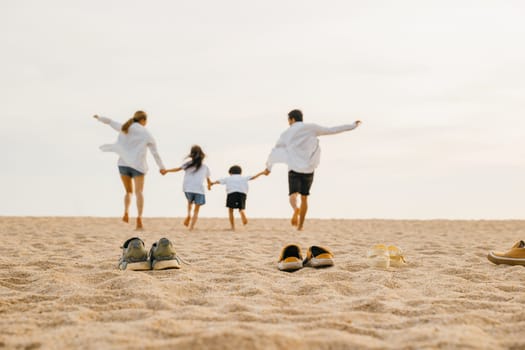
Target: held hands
{"points": [[266, 172], [163, 171]]}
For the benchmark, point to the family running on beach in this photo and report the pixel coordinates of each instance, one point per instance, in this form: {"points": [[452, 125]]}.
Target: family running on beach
{"points": [[298, 147]]}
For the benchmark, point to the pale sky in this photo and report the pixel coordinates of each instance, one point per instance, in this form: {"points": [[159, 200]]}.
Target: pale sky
{"points": [[439, 86]]}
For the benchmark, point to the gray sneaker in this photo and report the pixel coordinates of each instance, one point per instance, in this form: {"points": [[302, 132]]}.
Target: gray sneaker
{"points": [[163, 256], [134, 255]]}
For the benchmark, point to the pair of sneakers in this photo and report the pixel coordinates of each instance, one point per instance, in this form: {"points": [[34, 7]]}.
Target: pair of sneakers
{"points": [[291, 258], [161, 256]]}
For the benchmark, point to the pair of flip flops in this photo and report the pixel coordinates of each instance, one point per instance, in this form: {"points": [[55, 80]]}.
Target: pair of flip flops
{"points": [[515, 256], [384, 256], [291, 258], [161, 256]]}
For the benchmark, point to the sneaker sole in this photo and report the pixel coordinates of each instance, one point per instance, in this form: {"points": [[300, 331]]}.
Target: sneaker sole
{"points": [[139, 266], [166, 264]]}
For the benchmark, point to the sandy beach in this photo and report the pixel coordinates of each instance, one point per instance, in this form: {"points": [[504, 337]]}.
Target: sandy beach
{"points": [[60, 287]]}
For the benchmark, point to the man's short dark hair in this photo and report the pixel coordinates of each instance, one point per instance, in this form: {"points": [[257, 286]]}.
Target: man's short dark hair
{"points": [[296, 115], [235, 170]]}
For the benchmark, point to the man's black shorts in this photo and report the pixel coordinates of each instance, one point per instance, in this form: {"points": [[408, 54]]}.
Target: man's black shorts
{"points": [[300, 183], [236, 200]]}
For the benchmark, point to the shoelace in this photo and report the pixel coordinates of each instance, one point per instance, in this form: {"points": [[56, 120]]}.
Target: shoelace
{"points": [[181, 260], [170, 257]]}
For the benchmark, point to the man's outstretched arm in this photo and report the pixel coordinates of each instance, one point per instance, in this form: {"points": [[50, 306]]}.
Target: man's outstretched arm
{"points": [[321, 130]]}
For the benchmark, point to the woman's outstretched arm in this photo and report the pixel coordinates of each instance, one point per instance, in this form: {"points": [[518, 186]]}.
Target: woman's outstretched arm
{"points": [[115, 125]]}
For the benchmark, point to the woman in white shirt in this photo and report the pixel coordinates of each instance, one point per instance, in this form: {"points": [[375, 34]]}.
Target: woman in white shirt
{"points": [[131, 146]]}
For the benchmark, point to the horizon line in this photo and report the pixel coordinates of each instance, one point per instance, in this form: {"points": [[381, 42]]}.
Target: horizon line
{"points": [[267, 218]]}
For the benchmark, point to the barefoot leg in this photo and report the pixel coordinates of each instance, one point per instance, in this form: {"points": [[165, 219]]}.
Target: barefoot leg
{"points": [[293, 204], [303, 210], [295, 217], [232, 219], [128, 186], [195, 216], [243, 217], [188, 217], [139, 186], [139, 224]]}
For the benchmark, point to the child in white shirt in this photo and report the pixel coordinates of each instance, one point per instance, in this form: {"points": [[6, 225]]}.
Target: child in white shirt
{"points": [[237, 189], [195, 173]]}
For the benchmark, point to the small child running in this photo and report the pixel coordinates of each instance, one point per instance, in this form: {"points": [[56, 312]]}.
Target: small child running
{"points": [[195, 172], [236, 188]]}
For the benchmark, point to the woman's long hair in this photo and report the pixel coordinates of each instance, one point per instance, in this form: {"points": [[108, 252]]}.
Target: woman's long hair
{"points": [[137, 117], [197, 156]]}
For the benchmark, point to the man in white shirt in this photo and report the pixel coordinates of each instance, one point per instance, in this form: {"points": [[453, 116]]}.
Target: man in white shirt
{"points": [[298, 147]]}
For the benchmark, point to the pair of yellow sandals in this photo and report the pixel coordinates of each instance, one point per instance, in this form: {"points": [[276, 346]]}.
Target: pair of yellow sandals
{"points": [[384, 256], [291, 258]]}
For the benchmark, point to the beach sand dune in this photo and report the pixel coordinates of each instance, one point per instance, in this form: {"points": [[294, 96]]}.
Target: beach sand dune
{"points": [[60, 287]]}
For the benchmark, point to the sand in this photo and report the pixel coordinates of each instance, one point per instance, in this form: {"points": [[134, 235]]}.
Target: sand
{"points": [[60, 287]]}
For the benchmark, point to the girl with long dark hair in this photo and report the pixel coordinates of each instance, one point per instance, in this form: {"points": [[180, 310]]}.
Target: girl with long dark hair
{"points": [[195, 172]]}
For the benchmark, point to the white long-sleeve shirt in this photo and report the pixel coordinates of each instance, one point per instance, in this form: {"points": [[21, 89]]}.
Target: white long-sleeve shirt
{"points": [[298, 146], [132, 147]]}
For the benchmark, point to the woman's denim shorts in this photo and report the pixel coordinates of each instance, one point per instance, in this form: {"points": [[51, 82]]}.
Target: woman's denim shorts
{"points": [[127, 171]]}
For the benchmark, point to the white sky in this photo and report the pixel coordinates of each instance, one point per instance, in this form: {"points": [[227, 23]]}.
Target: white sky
{"points": [[439, 86]]}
